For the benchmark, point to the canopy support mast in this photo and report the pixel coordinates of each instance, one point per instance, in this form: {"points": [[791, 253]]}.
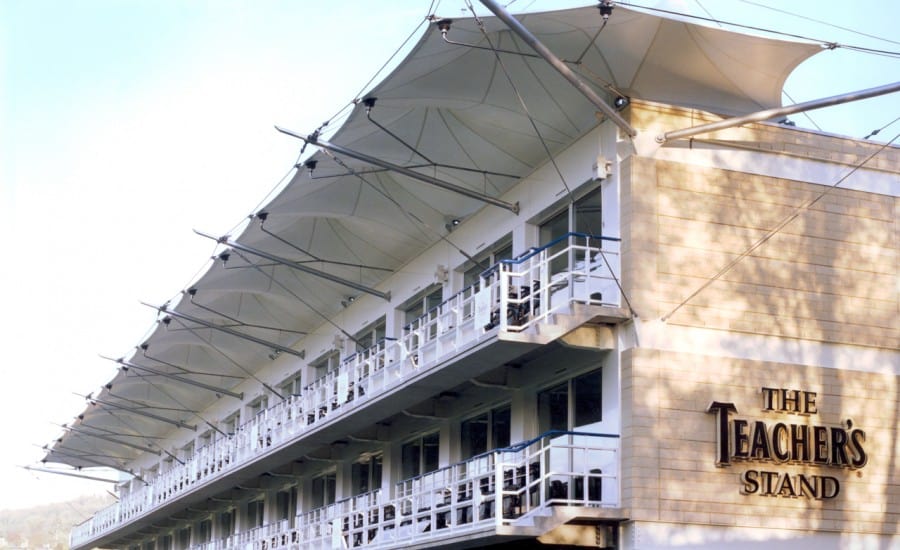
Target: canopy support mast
{"points": [[314, 140], [226, 330], [559, 65], [80, 456], [779, 111], [177, 423], [386, 296], [113, 440], [71, 474], [129, 365]]}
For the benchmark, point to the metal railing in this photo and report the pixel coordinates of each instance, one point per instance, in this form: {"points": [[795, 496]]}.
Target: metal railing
{"points": [[576, 268], [496, 491], [512, 296]]}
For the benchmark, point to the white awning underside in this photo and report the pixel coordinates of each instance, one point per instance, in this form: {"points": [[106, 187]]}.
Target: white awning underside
{"points": [[455, 106]]}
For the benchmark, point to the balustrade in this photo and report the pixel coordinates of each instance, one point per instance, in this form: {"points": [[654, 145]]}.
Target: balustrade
{"points": [[529, 289], [502, 488]]}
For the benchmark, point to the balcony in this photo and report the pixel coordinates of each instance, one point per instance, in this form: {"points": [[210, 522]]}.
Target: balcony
{"points": [[532, 299], [522, 490]]}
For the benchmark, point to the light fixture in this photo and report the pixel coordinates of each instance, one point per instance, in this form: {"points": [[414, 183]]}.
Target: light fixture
{"points": [[620, 103], [310, 165], [606, 8]]}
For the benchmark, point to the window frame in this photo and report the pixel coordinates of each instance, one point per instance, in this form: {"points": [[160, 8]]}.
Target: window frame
{"points": [[421, 466], [325, 364], [328, 493], [572, 402], [490, 440], [370, 335]]}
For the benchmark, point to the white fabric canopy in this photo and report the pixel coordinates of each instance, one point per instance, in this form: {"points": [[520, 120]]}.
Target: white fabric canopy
{"points": [[455, 106]]}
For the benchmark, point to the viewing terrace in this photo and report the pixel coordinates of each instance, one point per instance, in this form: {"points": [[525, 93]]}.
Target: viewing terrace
{"points": [[516, 305]]}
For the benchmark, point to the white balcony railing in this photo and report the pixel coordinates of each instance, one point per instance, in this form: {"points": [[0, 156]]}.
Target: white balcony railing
{"points": [[495, 493], [530, 289]]}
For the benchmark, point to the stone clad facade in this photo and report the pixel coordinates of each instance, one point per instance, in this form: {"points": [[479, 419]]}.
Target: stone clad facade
{"points": [[812, 309]]}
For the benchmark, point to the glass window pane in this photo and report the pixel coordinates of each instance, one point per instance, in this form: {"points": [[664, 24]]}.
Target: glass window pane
{"points": [[376, 473], [587, 213], [283, 504], [433, 300], [504, 253], [363, 341], [359, 477], [330, 488], [555, 227], [409, 459], [487, 259], [551, 230], [553, 408], [205, 530], [318, 492], [587, 389], [474, 436], [500, 427], [184, 537], [430, 452]]}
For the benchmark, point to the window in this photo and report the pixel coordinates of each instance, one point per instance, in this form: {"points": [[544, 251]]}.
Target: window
{"points": [[421, 312], [573, 404], [323, 490], [326, 364], [204, 439], [204, 531], [232, 423], [485, 432], [581, 217], [421, 305], [187, 451], [420, 456], [286, 503], [365, 475], [226, 523], [164, 542], [184, 537], [258, 406], [291, 386], [150, 473], [588, 403], [255, 513], [502, 250], [371, 335]]}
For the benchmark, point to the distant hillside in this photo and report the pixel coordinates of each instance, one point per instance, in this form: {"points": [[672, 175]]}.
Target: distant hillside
{"points": [[47, 526]]}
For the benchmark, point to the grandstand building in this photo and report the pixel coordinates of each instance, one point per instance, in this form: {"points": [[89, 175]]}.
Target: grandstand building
{"points": [[488, 310]]}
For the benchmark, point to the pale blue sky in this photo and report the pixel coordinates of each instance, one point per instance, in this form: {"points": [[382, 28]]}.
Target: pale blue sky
{"points": [[128, 123]]}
